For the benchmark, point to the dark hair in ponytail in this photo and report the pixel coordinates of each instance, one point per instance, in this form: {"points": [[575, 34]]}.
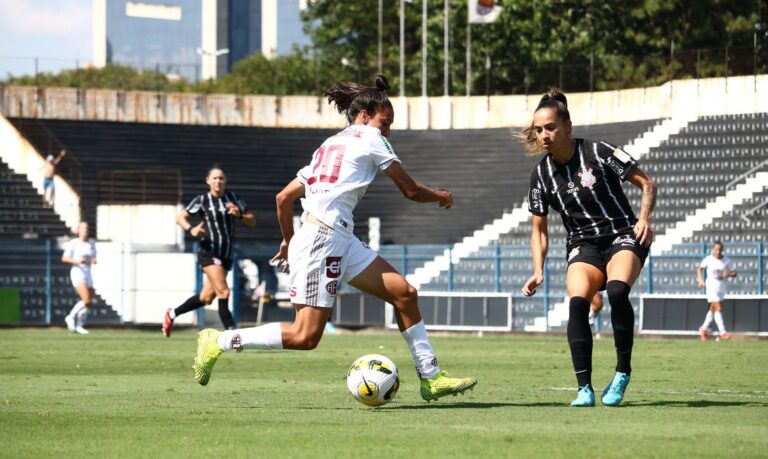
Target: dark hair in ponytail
{"points": [[554, 99], [351, 98]]}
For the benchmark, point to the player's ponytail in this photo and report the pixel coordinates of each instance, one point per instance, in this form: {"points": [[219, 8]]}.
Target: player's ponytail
{"points": [[555, 99], [351, 98]]}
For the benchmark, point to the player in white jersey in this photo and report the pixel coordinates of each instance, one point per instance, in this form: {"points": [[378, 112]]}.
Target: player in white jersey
{"points": [[718, 268], [325, 251], [80, 252]]}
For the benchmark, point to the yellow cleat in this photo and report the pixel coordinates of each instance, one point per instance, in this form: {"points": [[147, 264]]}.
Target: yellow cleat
{"points": [[441, 385], [208, 350]]}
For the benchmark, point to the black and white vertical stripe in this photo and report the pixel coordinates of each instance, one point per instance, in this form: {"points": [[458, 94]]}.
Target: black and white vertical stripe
{"points": [[219, 224], [586, 191], [313, 276]]}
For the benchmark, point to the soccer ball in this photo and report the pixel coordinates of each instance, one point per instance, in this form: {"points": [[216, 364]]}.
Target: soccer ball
{"points": [[373, 380]]}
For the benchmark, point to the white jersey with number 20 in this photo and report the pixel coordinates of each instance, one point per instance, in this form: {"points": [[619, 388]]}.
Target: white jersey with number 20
{"points": [[340, 172]]}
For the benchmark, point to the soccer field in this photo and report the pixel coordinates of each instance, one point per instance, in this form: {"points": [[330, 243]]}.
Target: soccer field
{"points": [[126, 393]]}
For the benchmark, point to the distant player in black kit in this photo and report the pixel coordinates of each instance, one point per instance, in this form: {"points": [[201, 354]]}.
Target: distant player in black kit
{"points": [[217, 210], [607, 245]]}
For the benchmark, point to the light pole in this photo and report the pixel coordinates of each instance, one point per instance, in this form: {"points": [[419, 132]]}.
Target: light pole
{"points": [[209, 61]]}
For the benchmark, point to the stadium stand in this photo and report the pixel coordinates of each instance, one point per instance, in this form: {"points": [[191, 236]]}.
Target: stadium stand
{"points": [[21, 212], [479, 166], [691, 169]]}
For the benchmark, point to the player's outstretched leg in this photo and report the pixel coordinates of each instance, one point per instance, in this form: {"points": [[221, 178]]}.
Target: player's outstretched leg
{"points": [[613, 393], [208, 350], [585, 397]]}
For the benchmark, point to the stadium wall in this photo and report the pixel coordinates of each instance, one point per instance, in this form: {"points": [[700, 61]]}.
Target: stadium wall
{"points": [[22, 157], [692, 98]]}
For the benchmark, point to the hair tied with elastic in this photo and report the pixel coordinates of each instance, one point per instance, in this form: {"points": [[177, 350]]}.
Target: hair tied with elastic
{"points": [[382, 84]]}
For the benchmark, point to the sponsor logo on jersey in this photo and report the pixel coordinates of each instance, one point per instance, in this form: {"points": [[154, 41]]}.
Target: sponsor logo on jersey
{"points": [[332, 267], [624, 240], [330, 287], [535, 198], [572, 254], [293, 292], [615, 165], [587, 178], [572, 188]]}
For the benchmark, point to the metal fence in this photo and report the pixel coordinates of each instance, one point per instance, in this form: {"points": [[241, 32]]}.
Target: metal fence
{"points": [[33, 269]]}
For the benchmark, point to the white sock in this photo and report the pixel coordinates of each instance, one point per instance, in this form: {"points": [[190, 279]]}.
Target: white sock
{"points": [[76, 308], [82, 314], [591, 317], [172, 313], [707, 320], [719, 322], [266, 336], [421, 351]]}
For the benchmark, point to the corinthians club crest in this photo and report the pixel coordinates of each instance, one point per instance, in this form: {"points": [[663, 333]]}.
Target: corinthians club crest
{"points": [[587, 178]]}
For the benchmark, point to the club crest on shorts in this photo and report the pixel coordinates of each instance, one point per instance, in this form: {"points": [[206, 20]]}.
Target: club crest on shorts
{"points": [[332, 267], [293, 292], [331, 287], [587, 177], [572, 254]]}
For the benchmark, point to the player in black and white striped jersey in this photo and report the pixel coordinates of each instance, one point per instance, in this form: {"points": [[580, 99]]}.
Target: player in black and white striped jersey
{"points": [[607, 245], [217, 210]]}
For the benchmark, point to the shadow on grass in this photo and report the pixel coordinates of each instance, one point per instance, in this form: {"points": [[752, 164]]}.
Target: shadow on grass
{"points": [[472, 405], [696, 403]]}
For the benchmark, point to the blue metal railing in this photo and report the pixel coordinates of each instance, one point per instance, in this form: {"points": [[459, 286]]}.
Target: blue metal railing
{"points": [[496, 268]]}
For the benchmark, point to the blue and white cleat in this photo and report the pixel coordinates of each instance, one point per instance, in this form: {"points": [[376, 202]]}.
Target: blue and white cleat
{"points": [[613, 394], [585, 397]]}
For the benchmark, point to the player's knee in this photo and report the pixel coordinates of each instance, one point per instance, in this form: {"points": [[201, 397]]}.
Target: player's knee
{"points": [[307, 341], [407, 295], [207, 298], [222, 292], [618, 292]]}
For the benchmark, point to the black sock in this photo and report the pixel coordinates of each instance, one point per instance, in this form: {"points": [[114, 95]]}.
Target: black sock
{"points": [[225, 315], [192, 303], [580, 340], [623, 321]]}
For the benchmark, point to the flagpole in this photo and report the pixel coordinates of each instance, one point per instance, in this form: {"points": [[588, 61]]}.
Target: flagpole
{"points": [[402, 48], [381, 26], [446, 50], [424, 48], [469, 57]]}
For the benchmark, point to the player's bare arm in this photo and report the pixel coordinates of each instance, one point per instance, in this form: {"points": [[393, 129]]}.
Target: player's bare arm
{"points": [[643, 230], [183, 221], [539, 247], [285, 200], [416, 191]]}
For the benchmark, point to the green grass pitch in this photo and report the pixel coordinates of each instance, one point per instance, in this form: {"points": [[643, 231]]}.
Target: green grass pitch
{"points": [[127, 393]]}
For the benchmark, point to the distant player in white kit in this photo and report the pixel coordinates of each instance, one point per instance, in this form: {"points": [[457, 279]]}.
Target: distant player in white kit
{"points": [[325, 251], [718, 268], [80, 252]]}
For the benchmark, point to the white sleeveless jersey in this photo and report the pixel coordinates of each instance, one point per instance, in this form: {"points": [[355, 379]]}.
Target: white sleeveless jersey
{"points": [[340, 172]]}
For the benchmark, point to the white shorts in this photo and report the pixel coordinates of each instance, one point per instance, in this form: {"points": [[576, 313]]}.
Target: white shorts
{"points": [[715, 295], [319, 258], [78, 275]]}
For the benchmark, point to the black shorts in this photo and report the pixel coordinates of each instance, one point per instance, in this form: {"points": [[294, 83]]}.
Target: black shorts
{"points": [[598, 252], [205, 258]]}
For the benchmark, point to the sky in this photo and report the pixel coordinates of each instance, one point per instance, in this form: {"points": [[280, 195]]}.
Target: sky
{"points": [[57, 32]]}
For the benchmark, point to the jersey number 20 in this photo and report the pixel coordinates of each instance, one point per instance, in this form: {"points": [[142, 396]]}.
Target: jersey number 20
{"points": [[327, 160]]}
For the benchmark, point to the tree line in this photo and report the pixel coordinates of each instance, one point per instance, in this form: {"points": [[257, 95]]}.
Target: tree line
{"points": [[579, 45]]}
